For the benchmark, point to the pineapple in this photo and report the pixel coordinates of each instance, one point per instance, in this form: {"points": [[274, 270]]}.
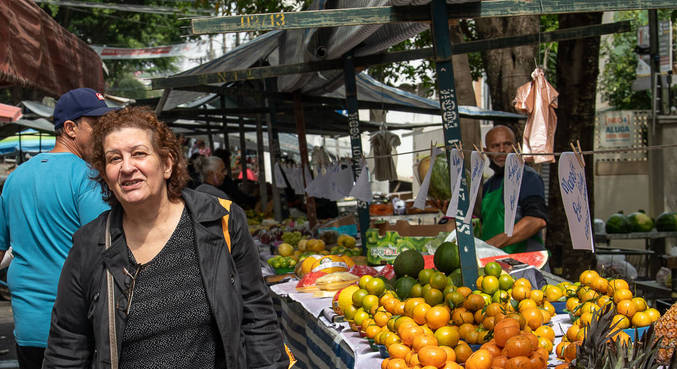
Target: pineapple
{"points": [[666, 332]]}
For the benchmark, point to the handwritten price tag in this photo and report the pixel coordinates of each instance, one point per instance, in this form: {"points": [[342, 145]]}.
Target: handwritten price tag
{"points": [[455, 176], [419, 203], [511, 190], [477, 164], [575, 197]]}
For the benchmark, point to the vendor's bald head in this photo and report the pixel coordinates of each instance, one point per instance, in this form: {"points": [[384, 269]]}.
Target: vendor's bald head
{"points": [[499, 139]]}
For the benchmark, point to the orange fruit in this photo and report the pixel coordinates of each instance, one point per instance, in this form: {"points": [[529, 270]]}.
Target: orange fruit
{"points": [[600, 285], [626, 307], [402, 320], [493, 348], [423, 341], [451, 354], [585, 319], [545, 331], [527, 304], [518, 346], [419, 313], [398, 350], [372, 331], [603, 300], [622, 294], [545, 343], [641, 319], [537, 296], [653, 314], [520, 292], [587, 277], [489, 322], [397, 363], [499, 361], [617, 284], [523, 282], [410, 304], [640, 303], [437, 317], [432, 355], [572, 302], [559, 350], [620, 321], [480, 359], [463, 352], [570, 351], [451, 365], [547, 306], [463, 290], [534, 317], [474, 302], [381, 318], [461, 316], [572, 332], [447, 336], [409, 332]]}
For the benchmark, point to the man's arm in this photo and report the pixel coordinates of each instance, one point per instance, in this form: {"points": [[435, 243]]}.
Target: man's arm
{"points": [[524, 229]]}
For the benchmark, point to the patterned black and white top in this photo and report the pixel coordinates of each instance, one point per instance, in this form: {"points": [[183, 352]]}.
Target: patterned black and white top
{"points": [[170, 324]]}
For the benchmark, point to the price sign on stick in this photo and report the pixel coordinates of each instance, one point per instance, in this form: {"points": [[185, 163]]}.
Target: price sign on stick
{"points": [[514, 167], [476, 169], [455, 176], [575, 197]]}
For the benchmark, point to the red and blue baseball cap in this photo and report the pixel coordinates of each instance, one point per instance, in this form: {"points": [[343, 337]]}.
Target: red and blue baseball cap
{"points": [[80, 102]]}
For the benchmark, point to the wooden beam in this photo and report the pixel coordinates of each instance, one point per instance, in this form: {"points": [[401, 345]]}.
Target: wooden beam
{"points": [[392, 14], [199, 82]]}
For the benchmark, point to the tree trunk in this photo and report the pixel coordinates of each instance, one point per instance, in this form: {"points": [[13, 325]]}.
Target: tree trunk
{"points": [[508, 68], [577, 70]]}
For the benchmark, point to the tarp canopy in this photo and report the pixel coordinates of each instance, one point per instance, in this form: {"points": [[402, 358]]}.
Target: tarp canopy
{"points": [[36, 52], [28, 141], [38, 125]]}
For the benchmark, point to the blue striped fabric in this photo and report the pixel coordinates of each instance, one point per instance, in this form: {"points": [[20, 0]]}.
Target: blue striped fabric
{"points": [[313, 343]]}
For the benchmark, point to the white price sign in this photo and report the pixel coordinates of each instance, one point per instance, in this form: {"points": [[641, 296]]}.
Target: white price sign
{"points": [[575, 197], [514, 168], [455, 176], [477, 164]]}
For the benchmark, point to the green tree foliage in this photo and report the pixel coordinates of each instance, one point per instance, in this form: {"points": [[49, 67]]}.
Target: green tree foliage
{"points": [[621, 61]]}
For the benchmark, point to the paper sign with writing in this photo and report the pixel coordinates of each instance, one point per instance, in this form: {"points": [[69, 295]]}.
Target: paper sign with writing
{"points": [[514, 167], [419, 202], [575, 197], [455, 176], [477, 164]]}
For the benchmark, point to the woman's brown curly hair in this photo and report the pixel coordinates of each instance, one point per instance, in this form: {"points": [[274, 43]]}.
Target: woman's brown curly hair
{"points": [[163, 139]]}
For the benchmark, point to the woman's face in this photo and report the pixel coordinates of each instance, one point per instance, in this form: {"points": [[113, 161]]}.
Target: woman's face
{"points": [[135, 172]]}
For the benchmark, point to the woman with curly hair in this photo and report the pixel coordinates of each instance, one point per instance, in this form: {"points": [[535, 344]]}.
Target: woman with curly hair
{"points": [[169, 277]]}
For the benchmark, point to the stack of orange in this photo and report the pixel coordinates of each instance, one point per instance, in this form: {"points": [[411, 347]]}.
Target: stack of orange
{"points": [[591, 293]]}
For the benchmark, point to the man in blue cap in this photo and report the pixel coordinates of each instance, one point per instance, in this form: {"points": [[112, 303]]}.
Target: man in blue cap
{"points": [[43, 202]]}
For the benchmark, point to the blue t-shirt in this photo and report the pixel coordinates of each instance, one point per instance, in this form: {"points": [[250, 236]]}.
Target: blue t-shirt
{"points": [[44, 201]]}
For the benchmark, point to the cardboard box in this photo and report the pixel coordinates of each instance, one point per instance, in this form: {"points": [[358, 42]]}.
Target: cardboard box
{"points": [[385, 241]]}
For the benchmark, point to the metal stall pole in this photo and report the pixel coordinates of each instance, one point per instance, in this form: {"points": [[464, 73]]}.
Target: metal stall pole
{"points": [[355, 142], [243, 146], [226, 141], [273, 146], [261, 163], [303, 148], [452, 133]]}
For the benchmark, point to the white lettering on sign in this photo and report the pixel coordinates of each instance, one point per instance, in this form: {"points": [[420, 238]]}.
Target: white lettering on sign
{"points": [[575, 198], [455, 176], [477, 164], [448, 105], [514, 168]]}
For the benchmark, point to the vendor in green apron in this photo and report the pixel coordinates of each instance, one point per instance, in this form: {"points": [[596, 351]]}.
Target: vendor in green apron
{"points": [[531, 211]]}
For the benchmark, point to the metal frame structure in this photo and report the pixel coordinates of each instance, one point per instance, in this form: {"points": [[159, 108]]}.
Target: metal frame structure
{"points": [[437, 13]]}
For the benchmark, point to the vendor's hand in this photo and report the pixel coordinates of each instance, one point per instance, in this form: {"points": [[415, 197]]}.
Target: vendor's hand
{"points": [[500, 240]]}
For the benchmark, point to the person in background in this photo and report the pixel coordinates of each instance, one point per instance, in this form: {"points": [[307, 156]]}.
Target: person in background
{"points": [[230, 187], [44, 201], [187, 291], [531, 210], [203, 149], [212, 172]]}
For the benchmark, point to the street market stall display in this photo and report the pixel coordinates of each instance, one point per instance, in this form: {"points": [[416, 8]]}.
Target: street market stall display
{"points": [[417, 312]]}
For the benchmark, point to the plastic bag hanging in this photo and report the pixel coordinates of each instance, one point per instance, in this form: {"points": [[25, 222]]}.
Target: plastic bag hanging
{"points": [[538, 99]]}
